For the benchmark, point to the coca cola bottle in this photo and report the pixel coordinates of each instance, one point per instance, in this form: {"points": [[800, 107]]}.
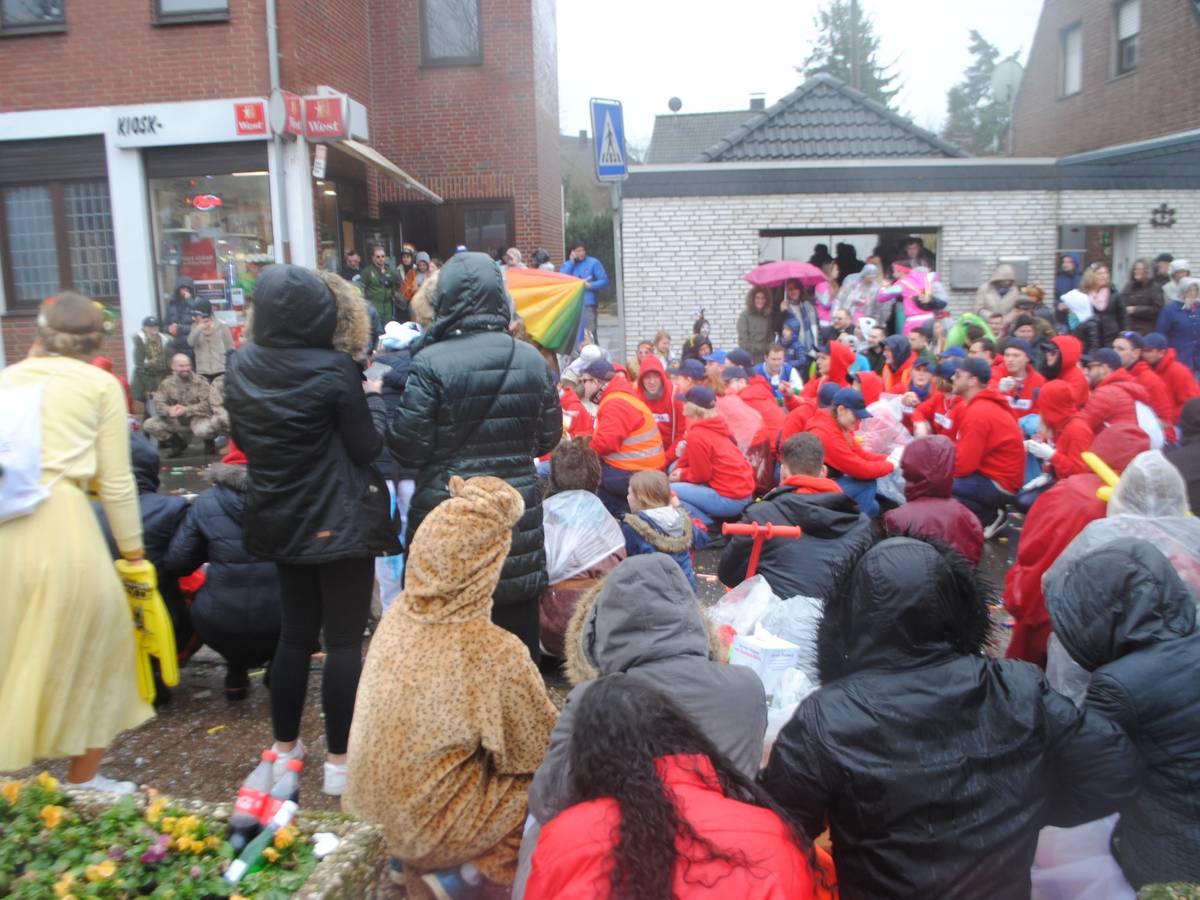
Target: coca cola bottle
{"points": [[285, 789], [251, 797]]}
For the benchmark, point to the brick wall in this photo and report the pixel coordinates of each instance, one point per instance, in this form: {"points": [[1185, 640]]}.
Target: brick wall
{"points": [[1158, 98], [684, 253], [20, 330]]}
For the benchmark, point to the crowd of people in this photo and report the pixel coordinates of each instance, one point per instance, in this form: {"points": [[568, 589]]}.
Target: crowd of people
{"points": [[549, 518]]}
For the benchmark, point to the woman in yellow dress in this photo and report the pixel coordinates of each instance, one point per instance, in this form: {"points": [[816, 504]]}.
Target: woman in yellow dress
{"points": [[68, 684]]}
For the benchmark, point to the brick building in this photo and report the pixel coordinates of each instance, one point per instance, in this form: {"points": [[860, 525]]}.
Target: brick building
{"points": [[138, 145], [1106, 73]]}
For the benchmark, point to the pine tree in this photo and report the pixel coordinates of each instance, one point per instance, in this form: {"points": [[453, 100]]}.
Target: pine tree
{"points": [[846, 48], [975, 120]]}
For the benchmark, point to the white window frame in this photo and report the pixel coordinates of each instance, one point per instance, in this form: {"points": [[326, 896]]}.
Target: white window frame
{"points": [[1068, 87]]}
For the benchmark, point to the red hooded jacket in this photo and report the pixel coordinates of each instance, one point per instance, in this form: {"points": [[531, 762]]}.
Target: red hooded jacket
{"points": [[930, 510], [1053, 521], [843, 453], [1071, 350], [1180, 383], [870, 386], [667, 409], [758, 395], [578, 420], [811, 484], [941, 412], [797, 420], [1112, 402], [711, 457], [990, 441], [841, 358], [575, 850], [1071, 433], [1024, 400], [1160, 397]]}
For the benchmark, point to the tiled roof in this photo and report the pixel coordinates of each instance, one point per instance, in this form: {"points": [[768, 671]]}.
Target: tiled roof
{"points": [[681, 137], [825, 119]]}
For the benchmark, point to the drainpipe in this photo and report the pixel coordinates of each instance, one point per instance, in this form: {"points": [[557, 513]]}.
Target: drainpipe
{"points": [[278, 182]]}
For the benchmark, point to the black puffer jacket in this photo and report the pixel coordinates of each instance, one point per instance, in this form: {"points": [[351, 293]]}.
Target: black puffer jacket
{"points": [[1125, 616], [297, 410], [236, 612], [479, 402], [836, 534], [399, 362], [935, 765]]}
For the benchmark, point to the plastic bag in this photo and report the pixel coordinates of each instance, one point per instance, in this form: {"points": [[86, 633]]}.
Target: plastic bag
{"points": [[741, 609], [884, 431], [1065, 675], [797, 619], [579, 534], [389, 572], [793, 687], [1076, 864]]}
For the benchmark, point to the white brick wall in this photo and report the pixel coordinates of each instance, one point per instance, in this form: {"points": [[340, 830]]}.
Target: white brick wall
{"points": [[684, 253]]}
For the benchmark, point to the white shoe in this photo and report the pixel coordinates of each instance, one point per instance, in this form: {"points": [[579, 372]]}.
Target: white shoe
{"points": [[335, 779], [279, 769], [107, 785], [997, 524]]}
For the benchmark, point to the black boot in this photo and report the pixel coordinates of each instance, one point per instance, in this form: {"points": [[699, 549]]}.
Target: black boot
{"points": [[237, 684]]}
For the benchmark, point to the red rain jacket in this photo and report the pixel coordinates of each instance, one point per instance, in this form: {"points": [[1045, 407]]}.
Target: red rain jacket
{"points": [[1112, 402], [1071, 434], [930, 510], [1054, 520], [1180, 383], [941, 412], [575, 850], [1024, 400], [667, 409], [1071, 350], [711, 457], [990, 441], [841, 358], [843, 453], [1160, 396]]}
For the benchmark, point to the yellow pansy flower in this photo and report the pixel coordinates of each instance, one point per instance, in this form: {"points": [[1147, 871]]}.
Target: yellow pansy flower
{"points": [[51, 816], [285, 837], [155, 810], [183, 844], [62, 888], [11, 792], [47, 781], [101, 871], [168, 824], [270, 854], [212, 842]]}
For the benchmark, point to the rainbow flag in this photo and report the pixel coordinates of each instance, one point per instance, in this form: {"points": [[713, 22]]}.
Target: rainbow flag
{"points": [[550, 303]]}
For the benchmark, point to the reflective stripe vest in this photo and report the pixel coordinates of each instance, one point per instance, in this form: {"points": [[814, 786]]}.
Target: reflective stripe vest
{"points": [[643, 448]]}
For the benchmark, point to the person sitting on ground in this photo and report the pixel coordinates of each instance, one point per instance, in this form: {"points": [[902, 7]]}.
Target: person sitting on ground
{"points": [[1053, 521], [1186, 457], [920, 388], [1125, 616], [833, 365], [989, 465], [1016, 379], [1060, 362], [452, 795], [930, 509], [659, 396], [182, 408], [852, 467], [656, 523], [211, 341], [1115, 393], [836, 534], [583, 542], [713, 479], [237, 610], [874, 352], [935, 765], [626, 437], [898, 360], [644, 621], [921, 342], [657, 811], [796, 421], [938, 413], [785, 380], [1129, 347], [1069, 433]]}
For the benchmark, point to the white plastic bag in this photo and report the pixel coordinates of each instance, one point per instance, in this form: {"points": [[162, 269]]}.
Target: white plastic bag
{"points": [[1065, 675], [797, 619], [21, 489], [884, 431], [1076, 864], [389, 572], [579, 534], [793, 687], [741, 608]]}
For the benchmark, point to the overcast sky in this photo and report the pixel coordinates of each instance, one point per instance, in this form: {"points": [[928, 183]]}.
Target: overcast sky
{"points": [[714, 55]]}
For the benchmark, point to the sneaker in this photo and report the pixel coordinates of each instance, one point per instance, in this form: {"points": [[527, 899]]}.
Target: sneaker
{"points": [[447, 884], [997, 525], [279, 769], [335, 779], [107, 785]]}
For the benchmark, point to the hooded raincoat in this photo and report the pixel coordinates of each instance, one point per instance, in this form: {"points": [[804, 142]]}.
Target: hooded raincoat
{"points": [[935, 765], [667, 408], [480, 402], [1124, 615], [929, 509], [1072, 436], [1070, 351]]}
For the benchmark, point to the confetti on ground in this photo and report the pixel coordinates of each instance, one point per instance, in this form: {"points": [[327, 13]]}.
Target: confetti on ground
{"points": [[216, 728]]}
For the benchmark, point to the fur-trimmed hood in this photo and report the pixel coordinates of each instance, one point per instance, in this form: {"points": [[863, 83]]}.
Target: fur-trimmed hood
{"points": [[677, 540], [289, 310], [234, 477], [643, 611]]}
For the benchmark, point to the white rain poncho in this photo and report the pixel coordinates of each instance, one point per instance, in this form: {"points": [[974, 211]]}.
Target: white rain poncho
{"points": [[579, 534], [1149, 503]]}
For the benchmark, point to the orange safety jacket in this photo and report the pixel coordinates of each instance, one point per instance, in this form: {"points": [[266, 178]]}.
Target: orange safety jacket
{"points": [[638, 445]]}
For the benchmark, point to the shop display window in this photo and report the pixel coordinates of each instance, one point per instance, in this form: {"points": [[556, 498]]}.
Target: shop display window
{"points": [[216, 231]]}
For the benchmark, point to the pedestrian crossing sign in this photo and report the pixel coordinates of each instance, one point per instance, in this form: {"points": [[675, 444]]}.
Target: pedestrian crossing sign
{"points": [[608, 131]]}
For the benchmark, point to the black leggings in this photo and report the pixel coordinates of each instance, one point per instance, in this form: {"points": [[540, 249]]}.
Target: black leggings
{"points": [[335, 596]]}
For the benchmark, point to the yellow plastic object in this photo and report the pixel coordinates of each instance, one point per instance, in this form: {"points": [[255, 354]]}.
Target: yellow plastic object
{"points": [[152, 626], [1107, 475]]}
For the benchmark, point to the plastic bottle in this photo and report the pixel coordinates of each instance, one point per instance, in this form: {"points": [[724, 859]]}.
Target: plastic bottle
{"points": [[285, 789], [244, 824], [252, 855]]}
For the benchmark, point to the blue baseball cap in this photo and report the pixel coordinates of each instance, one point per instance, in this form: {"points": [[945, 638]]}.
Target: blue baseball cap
{"points": [[600, 369], [947, 368], [979, 368], [826, 393], [732, 372], [739, 357], [1155, 341], [701, 396], [689, 368], [717, 356], [1105, 356], [851, 399], [922, 362], [953, 353]]}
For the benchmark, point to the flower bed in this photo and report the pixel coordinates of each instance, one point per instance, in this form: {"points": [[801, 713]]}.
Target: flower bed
{"points": [[60, 843]]}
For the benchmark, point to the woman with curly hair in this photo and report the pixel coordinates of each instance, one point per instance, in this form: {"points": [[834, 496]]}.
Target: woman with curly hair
{"points": [[68, 685], [659, 813]]}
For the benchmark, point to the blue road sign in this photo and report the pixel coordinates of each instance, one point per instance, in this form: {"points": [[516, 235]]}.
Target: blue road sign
{"points": [[608, 133]]}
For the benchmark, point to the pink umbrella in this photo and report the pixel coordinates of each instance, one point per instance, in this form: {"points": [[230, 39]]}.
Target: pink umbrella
{"points": [[773, 274]]}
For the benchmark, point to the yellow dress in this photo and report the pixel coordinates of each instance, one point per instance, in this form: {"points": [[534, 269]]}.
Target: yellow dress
{"points": [[67, 676]]}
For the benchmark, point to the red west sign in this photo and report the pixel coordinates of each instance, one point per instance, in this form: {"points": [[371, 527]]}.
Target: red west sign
{"points": [[326, 117], [251, 118], [293, 122]]}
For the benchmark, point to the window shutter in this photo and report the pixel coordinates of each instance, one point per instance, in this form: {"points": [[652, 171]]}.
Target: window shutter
{"points": [[1129, 19]]}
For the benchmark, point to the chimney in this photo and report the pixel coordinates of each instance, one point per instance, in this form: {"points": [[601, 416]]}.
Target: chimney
{"points": [[758, 102]]}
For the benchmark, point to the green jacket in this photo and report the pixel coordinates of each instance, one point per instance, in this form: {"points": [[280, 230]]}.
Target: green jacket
{"points": [[380, 289]]}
